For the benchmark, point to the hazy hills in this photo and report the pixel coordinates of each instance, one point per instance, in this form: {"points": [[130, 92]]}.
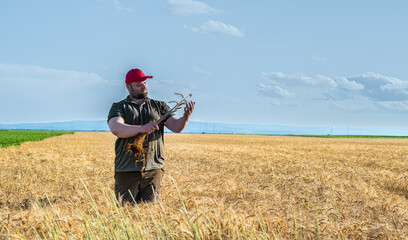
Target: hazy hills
{"points": [[212, 127]]}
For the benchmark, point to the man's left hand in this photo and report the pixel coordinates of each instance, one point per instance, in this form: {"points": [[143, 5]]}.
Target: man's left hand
{"points": [[188, 110]]}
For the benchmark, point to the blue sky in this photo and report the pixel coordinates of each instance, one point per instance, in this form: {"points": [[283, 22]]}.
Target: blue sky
{"points": [[280, 62]]}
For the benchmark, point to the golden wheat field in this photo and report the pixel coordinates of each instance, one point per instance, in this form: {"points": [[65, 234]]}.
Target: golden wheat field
{"points": [[215, 187]]}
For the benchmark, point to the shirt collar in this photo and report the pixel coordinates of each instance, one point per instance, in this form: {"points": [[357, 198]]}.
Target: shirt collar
{"points": [[129, 100]]}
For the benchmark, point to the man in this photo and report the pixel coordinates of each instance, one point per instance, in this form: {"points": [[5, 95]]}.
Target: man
{"points": [[136, 115]]}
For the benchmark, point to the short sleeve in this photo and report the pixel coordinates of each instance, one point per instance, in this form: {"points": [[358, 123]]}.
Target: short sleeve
{"points": [[116, 111], [164, 108]]}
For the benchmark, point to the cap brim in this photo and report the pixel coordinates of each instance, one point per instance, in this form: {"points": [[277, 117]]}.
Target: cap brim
{"points": [[144, 78], [139, 80]]}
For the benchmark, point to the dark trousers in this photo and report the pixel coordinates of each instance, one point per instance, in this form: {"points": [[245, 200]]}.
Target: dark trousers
{"points": [[131, 187]]}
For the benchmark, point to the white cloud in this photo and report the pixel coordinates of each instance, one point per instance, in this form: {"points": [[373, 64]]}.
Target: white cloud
{"points": [[274, 91], [200, 71], [327, 81], [190, 7], [369, 91], [120, 7], [217, 27], [44, 94], [351, 106], [296, 79], [397, 106], [116, 4], [40, 75], [382, 88], [349, 85]]}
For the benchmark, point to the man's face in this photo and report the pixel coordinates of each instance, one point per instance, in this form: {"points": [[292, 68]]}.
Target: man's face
{"points": [[138, 90]]}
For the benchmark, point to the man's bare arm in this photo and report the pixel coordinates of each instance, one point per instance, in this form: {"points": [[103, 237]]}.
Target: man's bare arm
{"points": [[120, 129], [176, 124]]}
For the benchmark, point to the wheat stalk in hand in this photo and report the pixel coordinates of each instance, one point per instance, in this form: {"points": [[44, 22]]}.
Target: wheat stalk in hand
{"points": [[137, 147]]}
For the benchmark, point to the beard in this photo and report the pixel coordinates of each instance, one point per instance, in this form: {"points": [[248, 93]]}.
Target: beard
{"points": [[140, 95]]}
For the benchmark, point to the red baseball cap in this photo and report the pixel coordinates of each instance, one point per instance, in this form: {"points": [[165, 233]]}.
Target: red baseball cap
{"points": [[136, 75]]}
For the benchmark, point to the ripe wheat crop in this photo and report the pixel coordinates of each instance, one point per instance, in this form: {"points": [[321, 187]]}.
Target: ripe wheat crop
{"points": [[215, 187]]}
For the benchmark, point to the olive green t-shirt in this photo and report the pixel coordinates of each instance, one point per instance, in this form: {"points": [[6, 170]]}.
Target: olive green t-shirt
{"points": [[134, 114]]}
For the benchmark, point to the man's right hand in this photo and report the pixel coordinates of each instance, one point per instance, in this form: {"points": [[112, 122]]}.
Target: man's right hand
{"points": [[120, 129], [149, 128]]}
